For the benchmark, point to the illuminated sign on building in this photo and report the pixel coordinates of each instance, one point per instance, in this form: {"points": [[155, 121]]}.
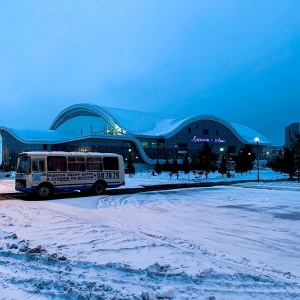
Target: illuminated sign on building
{"points": [[197, 140], [219, 141]]}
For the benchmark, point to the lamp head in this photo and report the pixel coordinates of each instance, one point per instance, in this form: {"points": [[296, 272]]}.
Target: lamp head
{"points": [[256, 139]]}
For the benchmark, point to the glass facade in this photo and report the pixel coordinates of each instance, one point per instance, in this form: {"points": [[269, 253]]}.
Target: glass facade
{"points": [[153, 147], [188, 140], [11, 147], [76, 114], [96, 145], [191, 138]]}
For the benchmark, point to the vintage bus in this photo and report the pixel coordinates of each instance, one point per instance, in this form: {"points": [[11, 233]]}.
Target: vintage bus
{"points": [[46, 173]]}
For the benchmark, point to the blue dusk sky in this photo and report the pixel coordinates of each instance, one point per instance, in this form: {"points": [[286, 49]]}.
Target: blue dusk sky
{"points": [[238, 60]]}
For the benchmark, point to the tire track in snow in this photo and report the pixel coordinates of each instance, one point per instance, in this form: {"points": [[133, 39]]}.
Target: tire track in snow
{"points": [[46, 275], [76, 278], [221, 256]]}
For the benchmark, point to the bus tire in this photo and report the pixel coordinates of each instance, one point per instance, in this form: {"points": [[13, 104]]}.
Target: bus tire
{"points": [[99, 187], [44, 191]]}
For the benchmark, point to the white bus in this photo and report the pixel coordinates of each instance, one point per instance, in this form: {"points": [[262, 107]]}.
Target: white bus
{"points": [[46, 173]]}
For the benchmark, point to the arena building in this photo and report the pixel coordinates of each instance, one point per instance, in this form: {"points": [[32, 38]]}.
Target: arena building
{"points": [[146, 137]]}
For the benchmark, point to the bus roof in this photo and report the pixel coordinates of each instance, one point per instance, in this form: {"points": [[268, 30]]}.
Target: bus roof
{"points": [[63, 153]]}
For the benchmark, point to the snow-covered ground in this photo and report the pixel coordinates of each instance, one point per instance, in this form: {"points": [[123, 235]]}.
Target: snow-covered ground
{"points": [[225, 242]]}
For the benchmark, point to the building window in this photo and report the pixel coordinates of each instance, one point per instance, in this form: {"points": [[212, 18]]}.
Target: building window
{"points": [[217, 132], [189, 130], [205, 131], [45, 147], [231, 149], [182, 147]]}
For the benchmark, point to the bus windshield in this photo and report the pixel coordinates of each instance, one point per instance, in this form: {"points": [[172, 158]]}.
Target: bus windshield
{"points": [[23, 165]]}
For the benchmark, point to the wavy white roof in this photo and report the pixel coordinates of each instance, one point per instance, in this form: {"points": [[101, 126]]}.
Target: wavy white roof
{"points": [[40, 136], [140, 123], [133, 123]]}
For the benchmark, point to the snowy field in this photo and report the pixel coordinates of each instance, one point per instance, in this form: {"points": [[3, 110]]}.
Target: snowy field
{"points": [[225, 242]]}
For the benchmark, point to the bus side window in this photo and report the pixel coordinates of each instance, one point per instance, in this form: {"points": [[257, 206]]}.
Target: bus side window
{"points": [[111, 163], [94, 164], [42, 165], [76, 164], [38, 165], [35, 164], [57, 163], [49, 167]]}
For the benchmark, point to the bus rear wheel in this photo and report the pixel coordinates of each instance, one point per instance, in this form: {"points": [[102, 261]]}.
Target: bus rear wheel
{"points": [[99, 188], [44, 191]]}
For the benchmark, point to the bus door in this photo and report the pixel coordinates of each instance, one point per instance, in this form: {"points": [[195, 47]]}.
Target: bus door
{"points": [[38, 168]]}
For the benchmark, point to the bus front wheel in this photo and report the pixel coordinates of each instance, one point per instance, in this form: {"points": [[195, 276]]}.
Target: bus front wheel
{"points": [[99, 188], [44, 191]]}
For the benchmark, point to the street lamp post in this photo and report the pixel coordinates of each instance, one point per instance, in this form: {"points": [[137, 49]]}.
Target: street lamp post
{"points": [[221, 149], [176, 147], [257, 159], [227, 155]]}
